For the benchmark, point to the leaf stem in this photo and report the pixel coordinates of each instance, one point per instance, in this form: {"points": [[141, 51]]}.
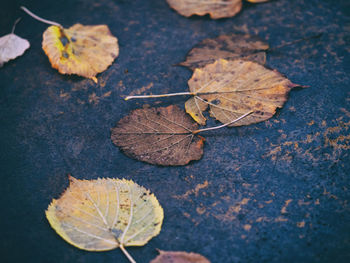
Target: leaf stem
{"points": [[224, 125], [39, 18], [14, 25], [127, 254], [159, 96]]}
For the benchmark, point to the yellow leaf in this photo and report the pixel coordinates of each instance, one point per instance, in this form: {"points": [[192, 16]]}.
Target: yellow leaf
{"points": [[215, 8], [82, 50], [232, 88], [104, 214]]}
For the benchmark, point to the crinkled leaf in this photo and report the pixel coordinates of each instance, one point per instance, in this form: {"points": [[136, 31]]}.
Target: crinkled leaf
{"points": [[82, 50], [11, 47], [229, 47], [104, 214], [179, 257], [215, 8], [232, 88], [161, 136]]}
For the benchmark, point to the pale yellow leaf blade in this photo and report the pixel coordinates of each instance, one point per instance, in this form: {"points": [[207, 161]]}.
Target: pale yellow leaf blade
{"points": [[104, 214]]}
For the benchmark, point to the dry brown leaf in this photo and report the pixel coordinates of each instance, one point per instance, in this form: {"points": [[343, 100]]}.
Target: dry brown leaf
{"points": [[229, 47], [179, 257], [105, 214], [232, 88], [257, 1], [162, 136], [215, 8]]}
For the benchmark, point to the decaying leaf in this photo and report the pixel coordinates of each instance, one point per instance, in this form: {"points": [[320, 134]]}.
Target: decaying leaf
{"points": [[229, 47], [162, 136], [81, 50], [104, 214], [232, 88], [12, 46], [257, 1], [215, 8], [179, 257]]}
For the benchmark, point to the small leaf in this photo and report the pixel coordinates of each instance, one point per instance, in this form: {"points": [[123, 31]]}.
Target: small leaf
{"points": [[104, 214], [257, 1], [179, 257], [232, 88], [12, 46], [162, 136], [82, 50], [215, 8], [229, 47]]}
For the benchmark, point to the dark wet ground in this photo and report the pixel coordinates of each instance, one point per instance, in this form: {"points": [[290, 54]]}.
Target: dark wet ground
{"points": [[277, 191]]}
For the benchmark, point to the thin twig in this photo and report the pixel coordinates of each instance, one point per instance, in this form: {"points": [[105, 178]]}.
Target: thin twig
{"points": [[14, 25], [39, 18], [224, 125]]}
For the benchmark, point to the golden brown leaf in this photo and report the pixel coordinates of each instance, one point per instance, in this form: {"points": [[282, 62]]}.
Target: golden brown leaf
{"points": [[104, 214], [82, 50], [229, 47], [215, 8], [161, 136], [257, 1], [232, 88], [179, 257]]}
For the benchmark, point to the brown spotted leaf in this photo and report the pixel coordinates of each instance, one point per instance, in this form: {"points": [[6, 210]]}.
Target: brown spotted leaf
{"points": [[215, 8], [229, 47], [232, 88], [81, 50], [179, 257], [161, 136]]}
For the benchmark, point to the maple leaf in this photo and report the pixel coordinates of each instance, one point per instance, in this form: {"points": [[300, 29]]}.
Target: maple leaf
{"points": [[179, 257], [81, 50], [105, 214], [215, 8], [229, 47], [12, 46]]}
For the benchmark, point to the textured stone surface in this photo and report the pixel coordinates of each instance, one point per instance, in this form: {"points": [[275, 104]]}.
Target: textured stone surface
{"points": [[276, 191]]}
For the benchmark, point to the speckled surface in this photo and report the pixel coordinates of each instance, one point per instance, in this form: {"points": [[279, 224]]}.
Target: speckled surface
{"points": [[276, 191]]}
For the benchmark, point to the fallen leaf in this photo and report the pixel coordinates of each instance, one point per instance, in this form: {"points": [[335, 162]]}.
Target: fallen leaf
{"points": [[162, 136], [179, 257], [229, 47], [12, 46], [81, 50], [104, 214], [257, 1], [215, 8], [232, 88]]}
